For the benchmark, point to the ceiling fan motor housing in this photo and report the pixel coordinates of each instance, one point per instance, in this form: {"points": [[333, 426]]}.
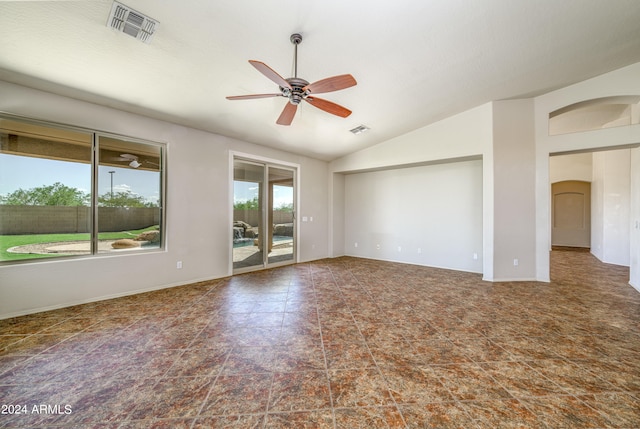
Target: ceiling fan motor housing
{"points": [[297, 93]]}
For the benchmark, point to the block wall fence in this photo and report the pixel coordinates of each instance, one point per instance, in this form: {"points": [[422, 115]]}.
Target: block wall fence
{"points": [[16, 220]]}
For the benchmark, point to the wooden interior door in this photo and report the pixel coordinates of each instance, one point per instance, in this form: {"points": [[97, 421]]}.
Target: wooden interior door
{"points": [[571, 213]]}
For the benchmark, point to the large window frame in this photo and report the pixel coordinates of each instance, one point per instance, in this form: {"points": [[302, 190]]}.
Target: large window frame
{"points": [[154, 163]]}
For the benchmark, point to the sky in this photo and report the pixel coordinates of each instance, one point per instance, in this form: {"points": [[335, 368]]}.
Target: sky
{"points": [[245, 191], [27, 172]]}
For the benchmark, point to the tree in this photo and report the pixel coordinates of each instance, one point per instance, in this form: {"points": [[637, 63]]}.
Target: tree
{"points": [[285, 207], [124, 199], [253, 205], [52, 195], [247, 204]]}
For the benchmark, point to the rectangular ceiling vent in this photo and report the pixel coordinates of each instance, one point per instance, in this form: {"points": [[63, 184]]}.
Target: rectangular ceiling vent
{"points": [[131, 22], [360, 129]]}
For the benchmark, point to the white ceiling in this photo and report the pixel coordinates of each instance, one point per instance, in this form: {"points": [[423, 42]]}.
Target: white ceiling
{"points": [[416, 61]]}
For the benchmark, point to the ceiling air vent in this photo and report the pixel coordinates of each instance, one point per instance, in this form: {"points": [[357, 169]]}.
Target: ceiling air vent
{"points": [[131, 22], [360, 129]]}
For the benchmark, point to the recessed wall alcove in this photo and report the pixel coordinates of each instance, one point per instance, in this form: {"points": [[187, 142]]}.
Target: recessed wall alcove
{"points": [[595, 114]]}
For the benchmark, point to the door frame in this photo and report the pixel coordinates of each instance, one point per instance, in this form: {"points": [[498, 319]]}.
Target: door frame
{"points": [[234, 155]]}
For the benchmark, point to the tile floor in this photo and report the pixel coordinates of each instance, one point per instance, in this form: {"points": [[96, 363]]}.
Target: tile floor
{"points": [[342, 343]]}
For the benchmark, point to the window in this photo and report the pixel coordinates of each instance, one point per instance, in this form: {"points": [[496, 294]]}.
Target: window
{"points": [[71, 192], [129, 195]]}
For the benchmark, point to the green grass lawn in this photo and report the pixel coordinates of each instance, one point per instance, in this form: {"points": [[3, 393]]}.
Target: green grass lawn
{"points": [[9, 241]]}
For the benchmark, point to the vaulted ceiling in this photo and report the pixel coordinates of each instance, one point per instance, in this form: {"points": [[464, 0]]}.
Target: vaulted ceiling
{"points": [[415, 61]]}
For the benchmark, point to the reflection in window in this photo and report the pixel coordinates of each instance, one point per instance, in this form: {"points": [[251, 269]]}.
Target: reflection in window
{"points": [[50, 198], [129, 188]]}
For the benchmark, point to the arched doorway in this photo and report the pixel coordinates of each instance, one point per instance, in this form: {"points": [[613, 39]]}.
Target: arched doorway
{"points": [[571, 214]]}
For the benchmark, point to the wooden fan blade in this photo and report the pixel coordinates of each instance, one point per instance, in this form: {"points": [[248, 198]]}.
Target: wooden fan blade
{"points": [[328, 106], [330, 84], [287, 114], [249, 97], [270, 73]]}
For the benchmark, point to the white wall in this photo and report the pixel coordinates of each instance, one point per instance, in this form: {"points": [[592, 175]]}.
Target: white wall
{"points": [[597, 210], [336, 207], [429, 215], [198, 212], [577, 166], [634, 236], [460, 137], [473, 133], [314, 203], [611, 198], [514, 191], [466, 134], [502, 133]]}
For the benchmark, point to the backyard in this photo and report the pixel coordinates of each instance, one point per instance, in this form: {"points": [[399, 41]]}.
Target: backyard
{"points": [[31, 246]]}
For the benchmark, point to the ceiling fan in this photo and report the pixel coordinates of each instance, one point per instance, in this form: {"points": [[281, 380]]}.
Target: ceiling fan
{"points": [[133, 159], [297, 89]]}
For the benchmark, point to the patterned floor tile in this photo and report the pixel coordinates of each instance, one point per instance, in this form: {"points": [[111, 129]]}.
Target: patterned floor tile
{"points": [[469, 382], [359, 388], [437, 415], [337, 343], [299, 391], [564, 412], [505, 414], [321, 419], [238, 394], [620, 409], [369, 417], [348, 355], [173, 398]]}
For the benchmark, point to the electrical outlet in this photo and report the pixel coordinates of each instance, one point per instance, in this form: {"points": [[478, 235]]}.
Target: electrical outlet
{"points": [[355, 244], [179, 265], [378, 246], [399, 249], [419, 250], [475, 256], [515, 262]]}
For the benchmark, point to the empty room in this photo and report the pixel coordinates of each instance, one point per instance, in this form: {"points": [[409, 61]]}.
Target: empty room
{"points": [[320, 214]]}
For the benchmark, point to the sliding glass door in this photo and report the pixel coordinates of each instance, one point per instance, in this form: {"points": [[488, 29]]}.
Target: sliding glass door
{"points": [[263, 215], [280, 215]]}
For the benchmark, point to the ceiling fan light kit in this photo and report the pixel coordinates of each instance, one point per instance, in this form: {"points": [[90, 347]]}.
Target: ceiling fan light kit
{"points": [[296, 89]]}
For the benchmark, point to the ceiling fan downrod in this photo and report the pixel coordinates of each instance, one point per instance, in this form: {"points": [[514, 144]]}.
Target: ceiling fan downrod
{"points": [[296, 93], [295, 38]]}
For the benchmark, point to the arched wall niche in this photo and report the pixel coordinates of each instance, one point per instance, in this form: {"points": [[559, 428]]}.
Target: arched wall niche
{"points": [[595, 114]]}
